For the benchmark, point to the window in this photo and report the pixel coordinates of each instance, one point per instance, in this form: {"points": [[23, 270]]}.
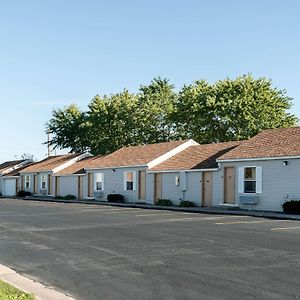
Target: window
{"points": [[129, 184], [44, 181], [129, 181], [249, 180], [99, 182], [27, 182]]}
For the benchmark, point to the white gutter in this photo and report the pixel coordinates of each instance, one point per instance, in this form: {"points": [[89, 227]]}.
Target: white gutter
{"points": [[67, 175], [258, 158], [114, 167], [178, 171]]}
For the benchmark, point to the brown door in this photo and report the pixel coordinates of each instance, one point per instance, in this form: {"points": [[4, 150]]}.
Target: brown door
{"points": [[142, 185], [229, 180], [22, 182], [17, 185], [90, 184], [57, 185], [157, 186], [35, 184], [80, 195], [207, 189], [49, 184]]}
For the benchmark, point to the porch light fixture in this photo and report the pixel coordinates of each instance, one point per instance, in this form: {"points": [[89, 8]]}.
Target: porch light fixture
{"points": [[285, 162], [113, 170]]}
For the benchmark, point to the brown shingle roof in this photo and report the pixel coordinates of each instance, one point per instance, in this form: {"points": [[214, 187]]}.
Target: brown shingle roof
{"points": [[135, 155], [78, 167], [280, 142], [196, 157], [49, 163], [9, 164]]}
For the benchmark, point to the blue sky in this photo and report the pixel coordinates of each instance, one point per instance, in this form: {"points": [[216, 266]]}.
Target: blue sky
{"points": [[54, 53]]}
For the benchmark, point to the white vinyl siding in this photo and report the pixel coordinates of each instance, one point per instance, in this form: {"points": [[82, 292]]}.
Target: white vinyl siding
{"points": [[183, 181]]}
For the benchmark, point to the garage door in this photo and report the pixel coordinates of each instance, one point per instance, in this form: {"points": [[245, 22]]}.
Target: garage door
{"points": [[9, 187]]}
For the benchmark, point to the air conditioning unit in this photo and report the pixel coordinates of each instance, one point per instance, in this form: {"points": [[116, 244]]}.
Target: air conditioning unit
{"points": [[43, 192], [249, 200], [99, 195]]}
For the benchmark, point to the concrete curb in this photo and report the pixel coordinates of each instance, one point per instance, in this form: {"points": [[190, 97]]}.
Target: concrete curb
{"points": [[236, 212], [40, 291]]}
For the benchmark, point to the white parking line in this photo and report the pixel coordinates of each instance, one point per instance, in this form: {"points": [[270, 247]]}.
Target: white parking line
{"points": [[159, 214], [247, 222], [285, 228], [117, 211]]}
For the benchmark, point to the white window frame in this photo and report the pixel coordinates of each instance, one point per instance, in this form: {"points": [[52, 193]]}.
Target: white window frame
{"points": [[242, 180], [99, 178], [43, 180], [27, 182], [125, 176]]}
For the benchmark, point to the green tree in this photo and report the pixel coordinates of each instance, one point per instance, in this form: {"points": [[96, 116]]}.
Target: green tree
{"points": [[231, 109], [155, 105], [68, 127], [112, 122]]}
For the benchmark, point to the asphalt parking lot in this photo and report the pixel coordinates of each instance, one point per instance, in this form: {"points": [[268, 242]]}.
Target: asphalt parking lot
{"points": [[102, 252]]}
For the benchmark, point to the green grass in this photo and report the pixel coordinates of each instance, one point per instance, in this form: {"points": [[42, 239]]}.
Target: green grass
{"points": [[8, 292]]}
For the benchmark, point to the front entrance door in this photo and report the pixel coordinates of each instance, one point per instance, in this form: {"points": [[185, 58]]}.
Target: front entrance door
{"points": [[157, 187], [142, 185], [35, 184], [207, 189], [57, 185], [229, 179], [80, 195], [49, 184]]}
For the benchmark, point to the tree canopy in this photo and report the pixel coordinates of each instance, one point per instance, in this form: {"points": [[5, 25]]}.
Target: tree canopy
{"points": [[230, 109]]}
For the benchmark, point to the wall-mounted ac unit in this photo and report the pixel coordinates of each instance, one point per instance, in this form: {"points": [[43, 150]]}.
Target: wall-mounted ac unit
{"points": [[249, 199], [99, 195], [43, 192]]}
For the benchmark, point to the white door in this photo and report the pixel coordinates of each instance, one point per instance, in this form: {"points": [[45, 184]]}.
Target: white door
{"points": [[9, 187]]}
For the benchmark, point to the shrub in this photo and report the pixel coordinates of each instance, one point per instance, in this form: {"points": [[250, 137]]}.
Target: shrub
{"points": [[59, 197], [291, 207], [115, 198], [23, 194], [164, 202], [69, 197], [186, 203]]}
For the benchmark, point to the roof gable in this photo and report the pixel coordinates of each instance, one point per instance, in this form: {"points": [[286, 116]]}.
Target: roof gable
{"points": [[197, 157], [78, 167], [8, 166], [50, 163]]}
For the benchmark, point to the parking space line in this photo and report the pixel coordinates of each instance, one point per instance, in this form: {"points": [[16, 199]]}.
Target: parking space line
{"points": [[121, 211], [157, 214], [285, 228], [247, 222]]}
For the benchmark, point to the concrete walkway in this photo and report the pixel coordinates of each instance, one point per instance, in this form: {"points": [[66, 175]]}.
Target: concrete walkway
{"points": [[204, 210], [40, 291]]}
